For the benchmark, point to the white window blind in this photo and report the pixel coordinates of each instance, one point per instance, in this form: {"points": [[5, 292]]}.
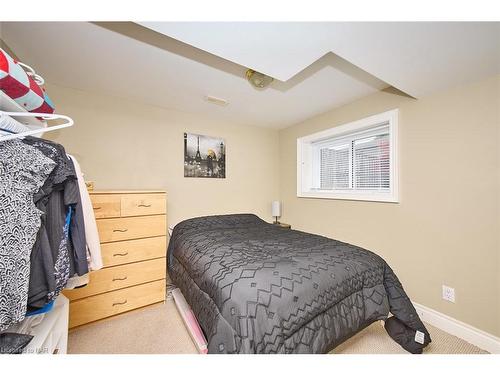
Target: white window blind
{"points": [[334, 167], [358, 161], [372, 163], [354, 161]]}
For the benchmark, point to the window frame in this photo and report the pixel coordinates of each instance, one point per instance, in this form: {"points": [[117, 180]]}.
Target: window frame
{"points": [[305, 159]]}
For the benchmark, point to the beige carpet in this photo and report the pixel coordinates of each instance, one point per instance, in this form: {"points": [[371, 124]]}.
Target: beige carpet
{"points": [[159, 329]]}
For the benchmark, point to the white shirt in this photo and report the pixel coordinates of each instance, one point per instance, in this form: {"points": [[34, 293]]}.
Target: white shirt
{"points": [[94, 258]]}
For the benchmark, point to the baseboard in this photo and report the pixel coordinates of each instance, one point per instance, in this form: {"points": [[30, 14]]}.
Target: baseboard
{"points": [[466, 332]]}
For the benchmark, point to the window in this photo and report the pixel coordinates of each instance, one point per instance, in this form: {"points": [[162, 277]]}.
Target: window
{"points": [[352, 161]]}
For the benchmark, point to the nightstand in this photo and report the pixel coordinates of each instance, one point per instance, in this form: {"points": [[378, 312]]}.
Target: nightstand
{"points": [[283, 225]]}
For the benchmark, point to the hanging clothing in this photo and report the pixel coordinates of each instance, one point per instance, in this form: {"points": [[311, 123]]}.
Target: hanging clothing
{"points": [[46, 249], [42, 279], [23, 171], [93, 246], [77, 228], [94, 257], [62, 265], [56, 256], [43, 230]]}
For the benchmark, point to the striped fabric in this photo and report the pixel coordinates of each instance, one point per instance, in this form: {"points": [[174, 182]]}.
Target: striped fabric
{"points": [[10, 125], [17, 84]]}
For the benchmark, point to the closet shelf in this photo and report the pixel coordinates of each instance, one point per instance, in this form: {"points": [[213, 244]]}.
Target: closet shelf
{"points": [[7, 104]]}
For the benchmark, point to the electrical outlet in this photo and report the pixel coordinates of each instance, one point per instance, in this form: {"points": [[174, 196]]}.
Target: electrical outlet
{"points": [[448, 293]]}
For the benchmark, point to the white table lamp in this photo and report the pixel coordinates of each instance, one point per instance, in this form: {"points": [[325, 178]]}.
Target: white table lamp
{"points": [[276, 210]]}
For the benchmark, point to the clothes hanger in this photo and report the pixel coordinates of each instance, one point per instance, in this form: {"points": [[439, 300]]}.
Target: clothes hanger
{"points": [[45, 116], [31, 72]]}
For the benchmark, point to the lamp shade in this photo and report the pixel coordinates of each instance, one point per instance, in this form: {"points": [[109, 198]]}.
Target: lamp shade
{"points": [[276, 208]]}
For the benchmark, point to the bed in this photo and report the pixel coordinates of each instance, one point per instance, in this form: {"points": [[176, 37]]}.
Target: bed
{"points": [[259, 288]]}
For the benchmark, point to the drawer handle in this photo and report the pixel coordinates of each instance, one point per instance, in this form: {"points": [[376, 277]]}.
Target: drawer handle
{"points": [[120, 254], [97, 208], [119, 303], [144, 205], [120, 230], [119, 278]]}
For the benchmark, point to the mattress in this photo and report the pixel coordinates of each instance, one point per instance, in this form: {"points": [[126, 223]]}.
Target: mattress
{"points": [[259, 288]]}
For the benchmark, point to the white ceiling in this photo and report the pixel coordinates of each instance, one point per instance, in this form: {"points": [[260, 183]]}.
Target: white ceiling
{"points": [[135, 62], [128, 60], [415, 57]]}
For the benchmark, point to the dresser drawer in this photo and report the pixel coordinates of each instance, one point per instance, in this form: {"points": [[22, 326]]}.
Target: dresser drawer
{"points": [[116, 302], [118, 277], [129, 228], [122, 252], [106, 205], [143, 204]]}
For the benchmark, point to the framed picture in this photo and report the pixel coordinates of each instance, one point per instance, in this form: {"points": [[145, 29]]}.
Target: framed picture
{"points": [[204, 156]]}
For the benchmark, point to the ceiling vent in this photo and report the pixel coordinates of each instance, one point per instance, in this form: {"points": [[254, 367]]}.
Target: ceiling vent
{"points": [[215, 100]]}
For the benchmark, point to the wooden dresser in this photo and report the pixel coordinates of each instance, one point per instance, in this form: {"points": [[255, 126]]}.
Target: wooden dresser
{"points": [[132, 229]]}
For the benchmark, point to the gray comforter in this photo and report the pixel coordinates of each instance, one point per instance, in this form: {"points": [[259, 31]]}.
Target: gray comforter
{"points": [[259, 288]]}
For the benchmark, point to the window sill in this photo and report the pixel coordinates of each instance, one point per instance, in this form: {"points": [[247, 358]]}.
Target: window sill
{"points": [[378, 197]]}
